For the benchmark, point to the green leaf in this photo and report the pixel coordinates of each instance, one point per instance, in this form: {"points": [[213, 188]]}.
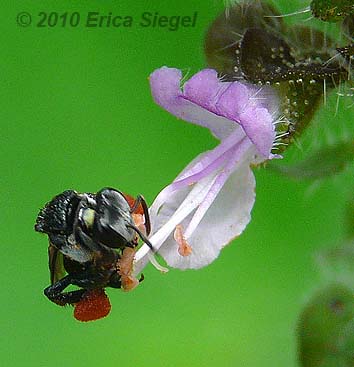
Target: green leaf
{"points": [[326, 162], [225, 33], [249, 41]]}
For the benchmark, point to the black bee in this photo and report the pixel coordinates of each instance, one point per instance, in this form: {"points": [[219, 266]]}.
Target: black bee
{"points": [[87, 235]]}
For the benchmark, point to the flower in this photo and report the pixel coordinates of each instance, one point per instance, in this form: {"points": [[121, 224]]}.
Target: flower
{"points": [[210, 201]]}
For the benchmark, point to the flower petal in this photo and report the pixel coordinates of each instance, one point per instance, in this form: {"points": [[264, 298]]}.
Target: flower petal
{"points": [[238, 155], [166, 91], [188, 198], [225, 219], [256, 123], [213, 196], [219, 106]]}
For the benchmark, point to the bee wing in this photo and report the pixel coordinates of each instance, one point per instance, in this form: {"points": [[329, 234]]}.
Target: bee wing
{"points": [[73, 250], [56, 264]]}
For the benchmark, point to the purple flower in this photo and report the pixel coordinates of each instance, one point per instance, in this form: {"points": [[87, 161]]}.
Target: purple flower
{"points": [[210, 201]]}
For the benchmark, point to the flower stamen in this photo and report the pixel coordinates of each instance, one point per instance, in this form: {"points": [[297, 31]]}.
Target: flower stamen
{"points": [[184, 249], [154, 262]]}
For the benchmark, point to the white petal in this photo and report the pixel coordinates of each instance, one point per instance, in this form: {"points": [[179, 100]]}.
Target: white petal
{"points": [[225, 219], [174, 210]]}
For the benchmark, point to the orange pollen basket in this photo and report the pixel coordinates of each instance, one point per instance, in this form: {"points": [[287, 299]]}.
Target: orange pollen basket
{"points": [[94, 305]]}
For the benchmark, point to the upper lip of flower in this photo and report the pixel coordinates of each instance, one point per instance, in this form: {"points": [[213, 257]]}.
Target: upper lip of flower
{"points": [[242, 117], [219, 106]]}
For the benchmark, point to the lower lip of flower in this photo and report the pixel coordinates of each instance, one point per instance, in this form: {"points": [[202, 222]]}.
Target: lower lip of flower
{"points": [[208, 176]]}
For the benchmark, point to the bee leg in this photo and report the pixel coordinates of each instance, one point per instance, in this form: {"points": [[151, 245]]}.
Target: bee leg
{"points": [[84, 280], [141, 200], [55, 292]]}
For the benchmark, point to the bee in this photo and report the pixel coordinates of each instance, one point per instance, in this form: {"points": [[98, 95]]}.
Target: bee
{"points": [[88, 234]]}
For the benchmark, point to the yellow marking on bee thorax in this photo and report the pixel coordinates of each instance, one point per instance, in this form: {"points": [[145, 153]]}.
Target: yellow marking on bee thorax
{"points": [[88, 217]]}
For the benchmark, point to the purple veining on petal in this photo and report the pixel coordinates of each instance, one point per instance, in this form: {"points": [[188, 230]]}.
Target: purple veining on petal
{"points": [[238, 156], [191, 179], [212, 155], [202, 166]]}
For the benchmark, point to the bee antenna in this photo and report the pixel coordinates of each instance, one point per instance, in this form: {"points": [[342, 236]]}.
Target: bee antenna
{"points": [[143, 237]]}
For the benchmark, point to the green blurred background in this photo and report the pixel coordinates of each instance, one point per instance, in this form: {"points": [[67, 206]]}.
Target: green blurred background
{"points": [[76, 112]]}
